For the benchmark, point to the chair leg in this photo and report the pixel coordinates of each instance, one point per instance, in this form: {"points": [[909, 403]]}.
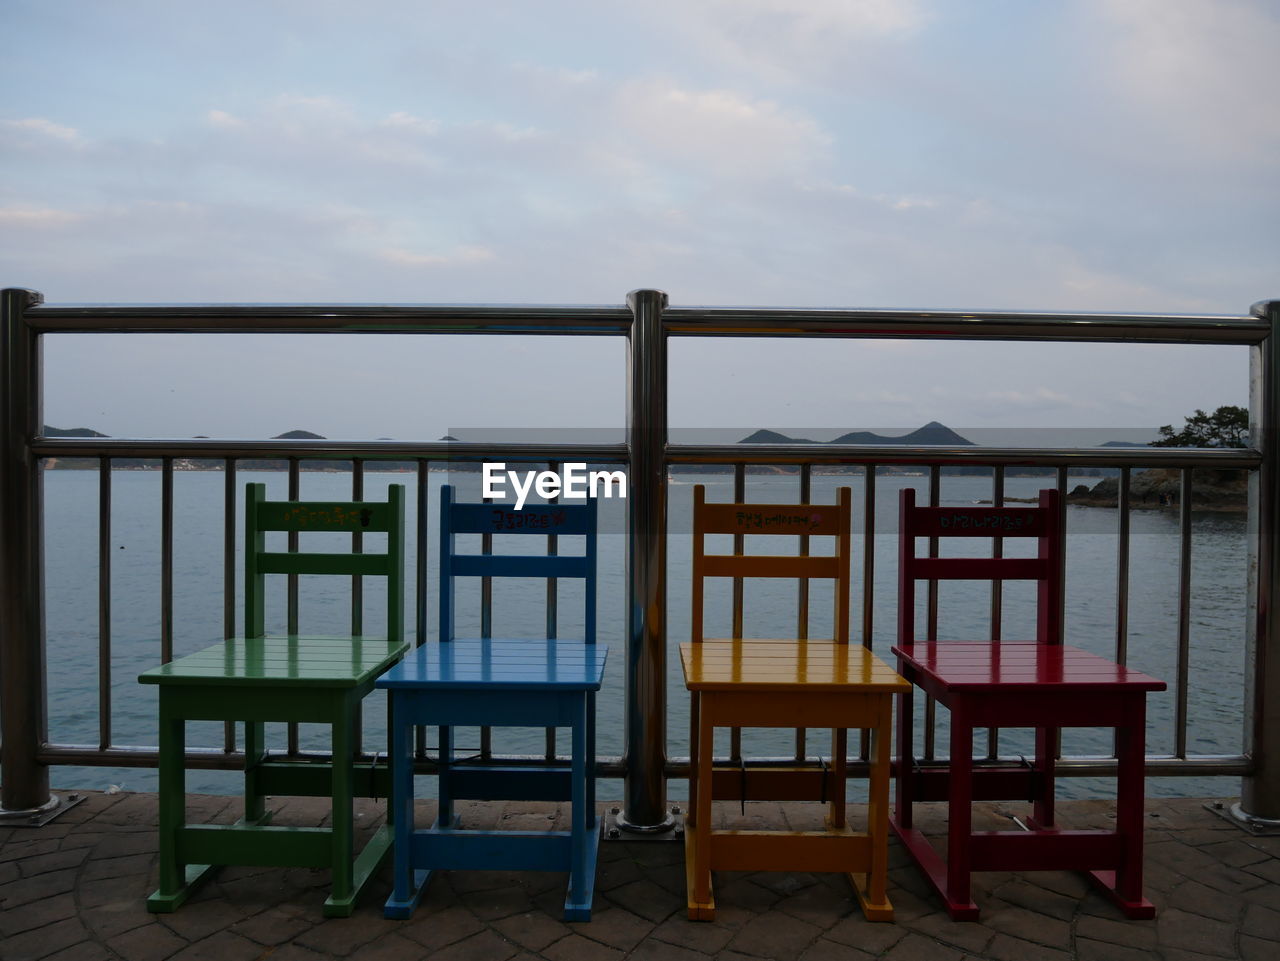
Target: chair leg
{"points": [[254, 750], [443, 787], [408, 885], [341, 901], [871, 892], [577, 906], [702, 906], [1124, 886], [958, 896], [836, 816], [177, 880], [906, 756], [1046, 761]]}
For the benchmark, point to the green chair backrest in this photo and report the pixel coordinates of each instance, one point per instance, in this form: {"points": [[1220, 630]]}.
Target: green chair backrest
{"points": [[354, 517]]}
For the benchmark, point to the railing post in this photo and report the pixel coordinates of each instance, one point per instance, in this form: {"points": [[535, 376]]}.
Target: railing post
{"points": [[1260, 791], [24, 782], [645, 788]]}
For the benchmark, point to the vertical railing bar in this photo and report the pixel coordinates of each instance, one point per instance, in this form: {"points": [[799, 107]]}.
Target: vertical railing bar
{"points": [[420, 578], [930, 706], [104, 603], [1122, 580], [1123, 523], [997, 595], [295, 493], [553, 599], [357, 597], [229, 524], [166, 559], [1184, 611], [739, 545], [357, 547], [802, 600], [486, 630], [868, 580], [1056, 746]]}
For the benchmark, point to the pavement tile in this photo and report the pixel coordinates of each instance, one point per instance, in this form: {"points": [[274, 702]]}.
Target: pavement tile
{"points": [[647, 899], [1256, 949], [37, 914], [151, 942], [1042, 900], [532, 930], [14, 850], [969, 938], [44, 941], [493, 903], [662, 951], [1190, 932], [821, 905], [99, 868], [918, 947], [1260, 922], [617, 927], [272, 926], [116, 917], [53, 861], [775, 935], [1028, 925], [1268, 870], [1090, 950], [1006, 948], [84, 951], [196, 920], [1196, 898], [1134, 934], [342, 936], [824, 950], [27, 890], [874, 938], [434, 930], [485, 946], [577, 948], [706, 937]]}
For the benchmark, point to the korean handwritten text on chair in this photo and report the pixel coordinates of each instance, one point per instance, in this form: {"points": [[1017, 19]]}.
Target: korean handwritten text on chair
{"points": [[1042, 684], [488, 681], [302, 678], [784, 683]]}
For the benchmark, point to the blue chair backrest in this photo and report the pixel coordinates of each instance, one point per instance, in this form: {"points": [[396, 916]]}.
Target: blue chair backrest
{"points": [[504, 519]]}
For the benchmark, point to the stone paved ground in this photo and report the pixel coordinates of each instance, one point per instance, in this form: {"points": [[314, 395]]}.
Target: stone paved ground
{"points": [[73, 891]]}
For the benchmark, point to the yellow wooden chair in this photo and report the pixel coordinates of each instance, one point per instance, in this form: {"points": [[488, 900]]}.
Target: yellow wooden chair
{"points": [[785, 683]]}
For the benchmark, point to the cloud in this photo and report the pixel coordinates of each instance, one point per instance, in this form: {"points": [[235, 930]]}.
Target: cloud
{"points": [[24, 218], [459, 257], [1201, 72], [46, 127], [220, 118]]}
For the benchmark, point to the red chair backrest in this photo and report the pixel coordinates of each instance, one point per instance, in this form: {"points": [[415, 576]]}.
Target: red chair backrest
{"points": [[1043, 522]]}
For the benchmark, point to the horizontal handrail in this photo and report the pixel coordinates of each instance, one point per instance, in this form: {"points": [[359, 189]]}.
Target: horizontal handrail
{"points": [[600, 319], [1138, 457], [441, 451]]}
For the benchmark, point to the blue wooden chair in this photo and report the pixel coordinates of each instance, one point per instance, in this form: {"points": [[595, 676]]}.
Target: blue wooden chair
{"points": [[488, 681]]}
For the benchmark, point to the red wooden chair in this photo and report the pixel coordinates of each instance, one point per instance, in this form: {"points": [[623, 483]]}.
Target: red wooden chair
{"points": [[1041, 683]]}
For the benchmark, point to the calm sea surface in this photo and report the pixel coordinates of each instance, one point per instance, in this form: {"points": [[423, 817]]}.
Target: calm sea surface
{"points": [[71, 529]]}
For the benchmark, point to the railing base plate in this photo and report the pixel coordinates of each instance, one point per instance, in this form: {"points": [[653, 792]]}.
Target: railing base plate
{"points": [[1232, 812], [42, 815], [616, 828]]}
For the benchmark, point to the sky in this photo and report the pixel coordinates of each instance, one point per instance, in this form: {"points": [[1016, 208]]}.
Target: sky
{"points": [[1096, 155]]}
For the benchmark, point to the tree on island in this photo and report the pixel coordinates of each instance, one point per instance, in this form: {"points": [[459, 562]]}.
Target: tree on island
{"points": [[1228, 426]]}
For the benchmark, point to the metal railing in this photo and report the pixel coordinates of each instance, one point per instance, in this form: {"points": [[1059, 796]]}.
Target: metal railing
{"points": [[647, 323]]}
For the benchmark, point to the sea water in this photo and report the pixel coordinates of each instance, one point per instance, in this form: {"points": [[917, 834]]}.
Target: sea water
{"points": [[1217, 625]]}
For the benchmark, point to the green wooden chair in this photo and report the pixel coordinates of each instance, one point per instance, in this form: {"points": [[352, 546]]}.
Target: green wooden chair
{"points": [[303, 678]]}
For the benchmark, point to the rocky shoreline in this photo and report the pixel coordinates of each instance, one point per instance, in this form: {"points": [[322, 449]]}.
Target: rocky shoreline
{"points": [[1161, 488]]}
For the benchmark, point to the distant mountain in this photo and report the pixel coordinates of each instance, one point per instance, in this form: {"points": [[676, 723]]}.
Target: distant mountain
{"points": [[773, 437], [70, 432], [298, 435], [1123, 443], [931, 434]]}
